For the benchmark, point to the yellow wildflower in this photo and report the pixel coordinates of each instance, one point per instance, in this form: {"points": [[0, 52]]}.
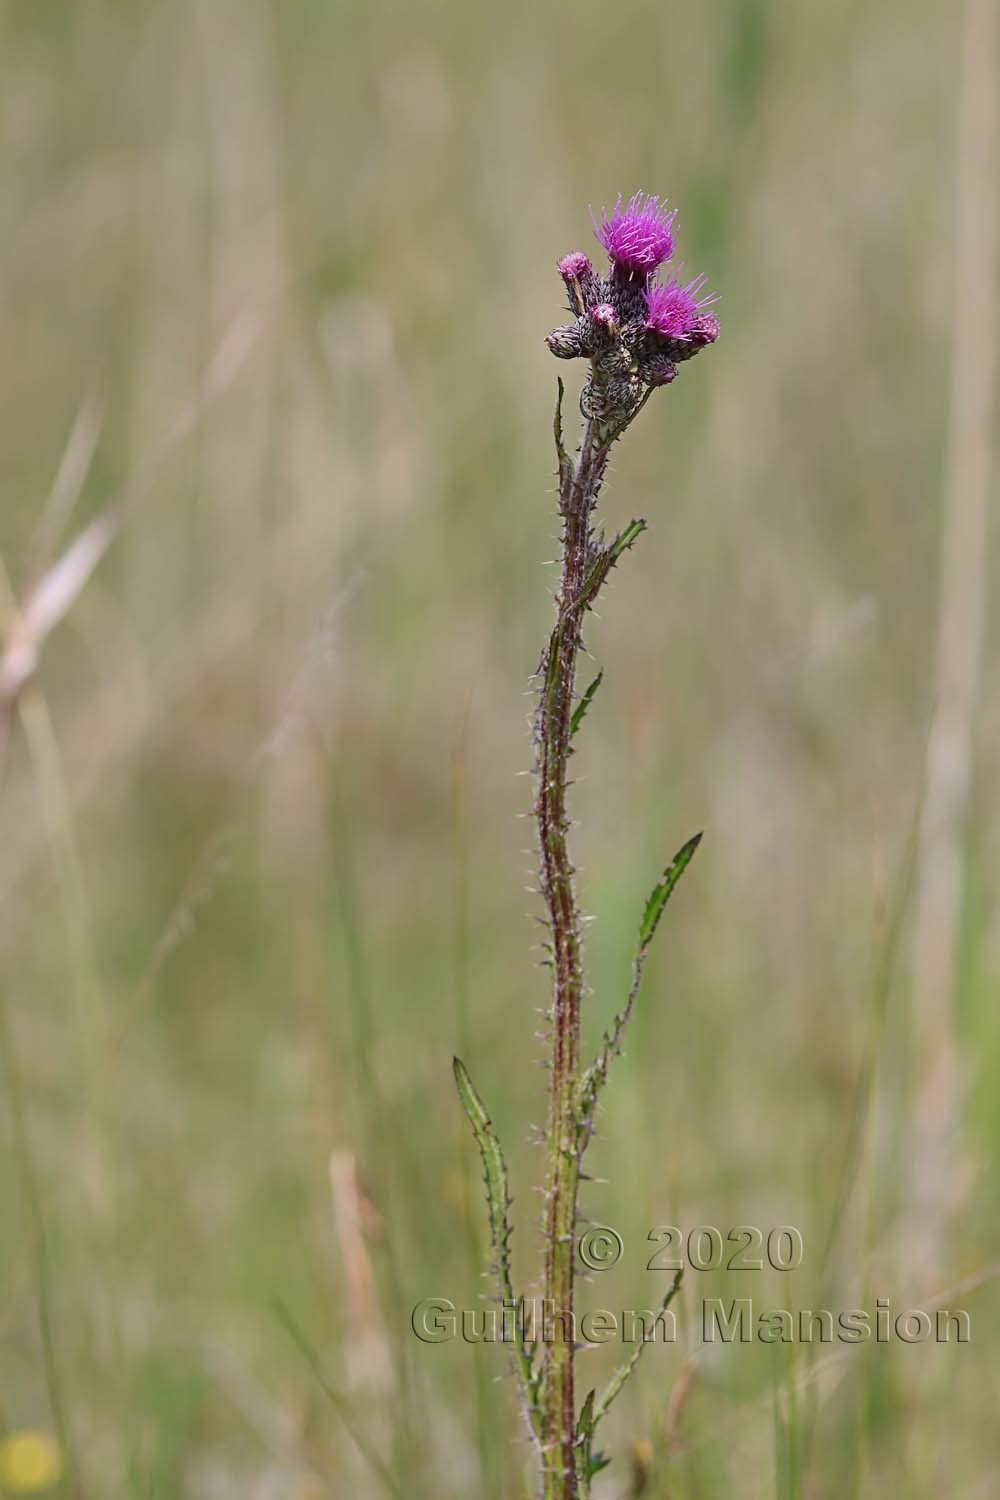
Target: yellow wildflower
{"points": [[30, 1461]]}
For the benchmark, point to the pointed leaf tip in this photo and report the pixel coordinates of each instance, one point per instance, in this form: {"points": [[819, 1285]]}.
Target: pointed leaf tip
{"points": [[565, 466], [497, 1206], [664, 889], [618, 1381], [580, 712], [595, 1076], [585, 1421]]}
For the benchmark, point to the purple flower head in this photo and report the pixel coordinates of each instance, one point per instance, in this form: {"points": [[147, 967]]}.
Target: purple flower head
{"points": [[638, 237], [636, 331], [676, 312]]}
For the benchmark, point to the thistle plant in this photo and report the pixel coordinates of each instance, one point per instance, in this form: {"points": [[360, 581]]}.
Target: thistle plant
{"points": [[635, 327]]}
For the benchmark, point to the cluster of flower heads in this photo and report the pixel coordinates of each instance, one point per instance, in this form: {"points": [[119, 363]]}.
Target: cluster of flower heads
{"points": [[634, 328]]}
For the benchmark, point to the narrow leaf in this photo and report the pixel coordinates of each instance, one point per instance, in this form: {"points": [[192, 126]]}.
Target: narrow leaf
{"points": [[498, 1210], [605, 561], [624, 540], [557, 432], [596, 1075], [585, 1421], [495, 1169], [617, 1382], [583, 1439], [580, 712], [664, 889]]}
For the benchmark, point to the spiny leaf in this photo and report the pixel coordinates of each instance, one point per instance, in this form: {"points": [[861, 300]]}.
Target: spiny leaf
{"points": [[596, 1464], [663, 890], [497, 1207], [624, 540], [583, 1440], [585, 1421], [557, 431], [608, 556], [580, 712], [595, 1076], [494, 1167], [617, 1382]]}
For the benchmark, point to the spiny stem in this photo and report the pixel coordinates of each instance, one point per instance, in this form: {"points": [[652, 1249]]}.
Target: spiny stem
{"points": [[634, 331], [579, 488]]}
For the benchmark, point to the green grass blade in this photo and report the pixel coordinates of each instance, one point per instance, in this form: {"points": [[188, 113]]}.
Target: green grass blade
{"points": [[340, 1405]]}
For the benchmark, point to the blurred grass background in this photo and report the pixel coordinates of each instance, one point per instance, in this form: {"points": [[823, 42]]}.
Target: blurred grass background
{"points": [[261, 862]]}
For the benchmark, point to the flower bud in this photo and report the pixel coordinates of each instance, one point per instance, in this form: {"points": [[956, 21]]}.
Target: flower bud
{"points": [[578, 276], [566, 342], [658, 370]]}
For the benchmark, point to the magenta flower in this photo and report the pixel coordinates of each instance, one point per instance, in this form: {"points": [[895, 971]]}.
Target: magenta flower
{"points": [[638, 237], [635, 331], [677, 312]]}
